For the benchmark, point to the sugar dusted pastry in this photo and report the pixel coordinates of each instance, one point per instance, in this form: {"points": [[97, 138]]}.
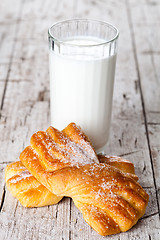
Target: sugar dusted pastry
{"points": [[110, 200], [31, 193], [26, 188]]}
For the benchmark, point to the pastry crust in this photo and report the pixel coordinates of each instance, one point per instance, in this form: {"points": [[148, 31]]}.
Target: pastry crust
{"points": [[109, 199], [22, 185]]}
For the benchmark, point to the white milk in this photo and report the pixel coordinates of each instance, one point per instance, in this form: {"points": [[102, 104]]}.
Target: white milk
{"points": [[81, 89]]}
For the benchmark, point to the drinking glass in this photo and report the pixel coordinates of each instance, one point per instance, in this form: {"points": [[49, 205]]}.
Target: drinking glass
{"points": [[82, 60]]}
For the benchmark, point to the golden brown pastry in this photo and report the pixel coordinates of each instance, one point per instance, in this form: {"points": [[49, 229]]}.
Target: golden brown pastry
{"points": [[111, 201], [26, 188], [32, 193]]}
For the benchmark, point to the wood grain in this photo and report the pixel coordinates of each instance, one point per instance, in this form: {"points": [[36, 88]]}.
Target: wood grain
{"points": [[24, 101]]}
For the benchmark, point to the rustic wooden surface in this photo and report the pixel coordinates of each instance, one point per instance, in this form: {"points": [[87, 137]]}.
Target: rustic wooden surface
{"points": [[24, 107]]}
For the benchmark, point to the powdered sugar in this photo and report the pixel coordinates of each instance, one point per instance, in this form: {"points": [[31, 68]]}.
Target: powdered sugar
{"points": [[20, 176]]}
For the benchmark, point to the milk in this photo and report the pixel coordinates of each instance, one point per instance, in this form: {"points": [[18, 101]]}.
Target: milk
{"points": [[81, 89]]}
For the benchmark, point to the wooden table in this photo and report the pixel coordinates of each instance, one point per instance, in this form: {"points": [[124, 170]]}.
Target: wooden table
{"points": [[24, 107]]}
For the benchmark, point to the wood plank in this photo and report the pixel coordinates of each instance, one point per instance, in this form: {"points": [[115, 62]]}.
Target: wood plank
{"points": [[34, 223], [2, 83], [9, 18], [2, 187]]}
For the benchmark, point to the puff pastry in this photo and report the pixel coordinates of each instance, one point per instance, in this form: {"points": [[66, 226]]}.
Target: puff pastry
{"points": [[22, 185], [31, 193], [110, 200]]}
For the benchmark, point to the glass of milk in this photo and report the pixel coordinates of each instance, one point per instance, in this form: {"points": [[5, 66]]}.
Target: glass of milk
{"points": [[82, 59]]}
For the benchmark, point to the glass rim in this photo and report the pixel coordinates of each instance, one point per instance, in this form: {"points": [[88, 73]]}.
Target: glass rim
{"points": [[84, 45]]}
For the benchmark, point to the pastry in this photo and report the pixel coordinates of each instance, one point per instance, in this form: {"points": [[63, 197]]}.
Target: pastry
{"points": [[110, 200], [26, 188], [31, 193]]}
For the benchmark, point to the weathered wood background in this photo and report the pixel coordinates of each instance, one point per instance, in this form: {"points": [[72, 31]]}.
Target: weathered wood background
{"points": [[24, 107]]}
